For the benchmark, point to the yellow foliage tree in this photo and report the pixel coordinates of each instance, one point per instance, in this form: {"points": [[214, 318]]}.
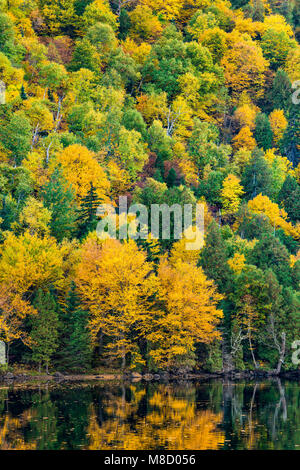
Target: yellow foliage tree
{"points": [[189, 86], [39, 115], [278, 23], [27, 262], [145, 26], [278, 123], [244, 139], [240, 159], [237, 263], [139, 52], [34, 217], [99, 12], [246, 114], [153, 106], [132, 151], [278, 217], [231, 194], [292, 66], [179, 253], [244, 68], [167, 9], [184, 316], [11, 76], [80, 169], [115, 283], [119, 179], [35, 163], [178, 119]]}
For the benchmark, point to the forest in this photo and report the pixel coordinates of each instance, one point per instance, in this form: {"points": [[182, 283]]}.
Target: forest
{"points": [[164, 102]]}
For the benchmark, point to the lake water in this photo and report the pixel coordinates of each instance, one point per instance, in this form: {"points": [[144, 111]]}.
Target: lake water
{"points": [[151, 416]]}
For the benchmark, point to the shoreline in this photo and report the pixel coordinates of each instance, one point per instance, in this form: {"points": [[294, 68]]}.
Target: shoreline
{"points": [[57, 377]]}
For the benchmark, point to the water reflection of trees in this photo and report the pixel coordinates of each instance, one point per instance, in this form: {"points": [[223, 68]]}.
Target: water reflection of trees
{"points": [[261, 415], [152, 416], [172, 421]]}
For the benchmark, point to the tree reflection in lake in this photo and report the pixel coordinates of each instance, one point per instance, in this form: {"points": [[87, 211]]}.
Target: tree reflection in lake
{"points": [[187, 416]]}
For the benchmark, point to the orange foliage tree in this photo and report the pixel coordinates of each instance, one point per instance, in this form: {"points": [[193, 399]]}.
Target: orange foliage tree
{"points": [[115, 283]]}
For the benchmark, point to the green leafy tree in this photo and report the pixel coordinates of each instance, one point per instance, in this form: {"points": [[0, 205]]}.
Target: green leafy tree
{"points": [[133, 120], [16, 137], [85, 56], [269, 253], [210, 187], [204, 147], [8, 212], [276, 46]]}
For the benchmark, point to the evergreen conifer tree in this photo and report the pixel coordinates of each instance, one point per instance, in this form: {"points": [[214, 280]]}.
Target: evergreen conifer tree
{"points": [[87, 218], [44, 332], [263, 133], [257, 176], [75, 342], [58, 197], [290, 142], [289, 196], [213, 258]]}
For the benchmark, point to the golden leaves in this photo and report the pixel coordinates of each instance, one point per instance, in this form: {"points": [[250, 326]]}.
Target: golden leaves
{"points": [[80, 169]]}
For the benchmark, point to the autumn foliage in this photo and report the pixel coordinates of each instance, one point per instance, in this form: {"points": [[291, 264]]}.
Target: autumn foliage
{"points": [[165, 102]]}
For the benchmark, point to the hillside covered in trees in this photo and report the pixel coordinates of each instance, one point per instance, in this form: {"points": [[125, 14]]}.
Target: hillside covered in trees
{"points": [[164, 101]]}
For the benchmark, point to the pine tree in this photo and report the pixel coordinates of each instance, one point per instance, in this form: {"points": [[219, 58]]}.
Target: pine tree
{"points": [[8, 212], [75, 342], [44, 332], [213, 258], [269, 253], [125, 22], [58, 197], [290, 143], [263, 133], [23, 93], [252, 226], [87, 219], [257, 176], [280, 94], [171, 178], [158, 176], [289, 196]]}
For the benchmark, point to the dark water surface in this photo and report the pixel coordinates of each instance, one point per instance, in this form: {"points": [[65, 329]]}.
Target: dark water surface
{"points": [[181, 416]]}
